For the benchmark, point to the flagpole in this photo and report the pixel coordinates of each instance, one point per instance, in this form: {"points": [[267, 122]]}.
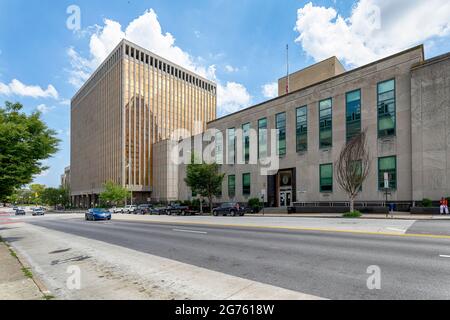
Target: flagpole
{"points": [[287, 69]]}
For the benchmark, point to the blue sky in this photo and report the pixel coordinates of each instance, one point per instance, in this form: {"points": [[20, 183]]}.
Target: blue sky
{"points": [[239, 44]]}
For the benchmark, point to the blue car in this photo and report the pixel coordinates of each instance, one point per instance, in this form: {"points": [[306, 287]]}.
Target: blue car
{"points": [[98, 214]]}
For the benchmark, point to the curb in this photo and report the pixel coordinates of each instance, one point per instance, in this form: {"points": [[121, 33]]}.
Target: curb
{"points": [[410, 235], [36, 279]]}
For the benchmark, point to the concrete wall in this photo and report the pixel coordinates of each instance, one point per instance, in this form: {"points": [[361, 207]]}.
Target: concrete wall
{"points": [[318, 72], [165, 172], [430, 118], [307, 164]]}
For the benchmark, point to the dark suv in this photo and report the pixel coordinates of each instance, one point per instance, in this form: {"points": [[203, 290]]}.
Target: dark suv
{"points": [[144, 209], [229, 209]]}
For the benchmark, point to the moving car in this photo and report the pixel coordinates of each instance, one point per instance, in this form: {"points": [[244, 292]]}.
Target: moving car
{"points": [[98, 214], [38, 212], [20, 212], [229, 209]]}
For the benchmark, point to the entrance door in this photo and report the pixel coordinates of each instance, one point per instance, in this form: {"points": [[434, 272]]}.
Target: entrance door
{"points": [[285, 198]]}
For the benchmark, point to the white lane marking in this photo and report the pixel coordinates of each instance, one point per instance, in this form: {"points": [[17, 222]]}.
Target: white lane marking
{"points": [[190, 231], [396, 229], [444, 256]]}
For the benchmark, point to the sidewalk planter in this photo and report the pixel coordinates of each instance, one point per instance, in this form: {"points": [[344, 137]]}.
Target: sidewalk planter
{"points": [[423, 210]]}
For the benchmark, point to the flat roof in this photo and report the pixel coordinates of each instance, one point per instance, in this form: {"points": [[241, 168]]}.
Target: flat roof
{"points": [[325, 81]]}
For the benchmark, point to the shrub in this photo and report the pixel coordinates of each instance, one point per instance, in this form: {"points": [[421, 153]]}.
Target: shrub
{"points": [[427, 203], [255, 204], [353, 214]]}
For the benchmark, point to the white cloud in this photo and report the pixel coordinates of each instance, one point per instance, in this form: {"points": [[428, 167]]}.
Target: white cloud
{"points": [[270, 90], [147, 32], [65, 102], [44, 109], [232, 97], [375, 28], [231, 69], [15, 87]]}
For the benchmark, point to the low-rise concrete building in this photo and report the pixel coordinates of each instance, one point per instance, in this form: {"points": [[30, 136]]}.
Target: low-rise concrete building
{"points": [[403, 103]]}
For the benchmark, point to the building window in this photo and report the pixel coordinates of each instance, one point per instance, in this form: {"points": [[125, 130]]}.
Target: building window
{"points": [[231, 186], [353, 113], [246, 182], [127, 50], [280, 120], [246, 142], [219, 147], [326, 177], [302, 129], [262, 138], [325, 124], [386, 108], [231, 146], [387, 165]]}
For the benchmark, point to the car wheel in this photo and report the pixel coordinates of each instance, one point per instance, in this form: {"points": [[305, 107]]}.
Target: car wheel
{"points": [[215, 213], [233, 213], [86, 218]]}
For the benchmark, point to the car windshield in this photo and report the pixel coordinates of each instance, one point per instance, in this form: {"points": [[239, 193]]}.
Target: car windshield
{"points": [[99, 210]]}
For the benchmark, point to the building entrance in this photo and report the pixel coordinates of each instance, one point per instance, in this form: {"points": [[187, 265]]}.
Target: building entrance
{"points": [[285, 198]]}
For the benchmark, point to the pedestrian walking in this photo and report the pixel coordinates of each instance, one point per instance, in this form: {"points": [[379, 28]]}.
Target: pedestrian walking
{"points": [[444, 206]]}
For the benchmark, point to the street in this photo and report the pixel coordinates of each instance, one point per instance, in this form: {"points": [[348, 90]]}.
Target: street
{"points": [[326, 264]]}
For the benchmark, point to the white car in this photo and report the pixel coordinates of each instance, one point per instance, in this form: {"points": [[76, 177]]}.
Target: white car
{"points": [[129, 209], [38, 212], [116, 210]]}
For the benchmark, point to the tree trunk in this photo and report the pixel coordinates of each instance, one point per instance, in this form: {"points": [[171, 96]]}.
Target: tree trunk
{"points": [[352, 204], [210, 204], [201, 205]]}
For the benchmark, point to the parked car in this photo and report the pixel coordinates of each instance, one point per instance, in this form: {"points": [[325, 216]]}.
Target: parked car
{"points": [[229, 209], [144, 209], [98, 214], [117, 210], [177, 209], [38, 212], [129, 209], [20, 212]]}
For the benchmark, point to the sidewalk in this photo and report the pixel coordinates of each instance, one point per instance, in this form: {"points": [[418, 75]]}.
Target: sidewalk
{"points": [[14, 283], [395, 215]]}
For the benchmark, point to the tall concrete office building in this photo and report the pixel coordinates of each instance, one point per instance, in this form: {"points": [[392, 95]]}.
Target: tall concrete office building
{"points": [[132, 101]]}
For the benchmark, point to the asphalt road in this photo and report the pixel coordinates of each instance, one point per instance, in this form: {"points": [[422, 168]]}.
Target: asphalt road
{"points": [[326, 264]]}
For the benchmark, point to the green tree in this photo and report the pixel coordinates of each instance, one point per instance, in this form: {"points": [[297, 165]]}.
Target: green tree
{"points": [[55, 196], [205, 180], [25, 141], [36, 193], [114, 193], [20, 196]]}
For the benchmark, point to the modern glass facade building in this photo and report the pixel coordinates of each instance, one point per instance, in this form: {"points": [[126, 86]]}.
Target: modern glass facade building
{"points": [[132, 101]]}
